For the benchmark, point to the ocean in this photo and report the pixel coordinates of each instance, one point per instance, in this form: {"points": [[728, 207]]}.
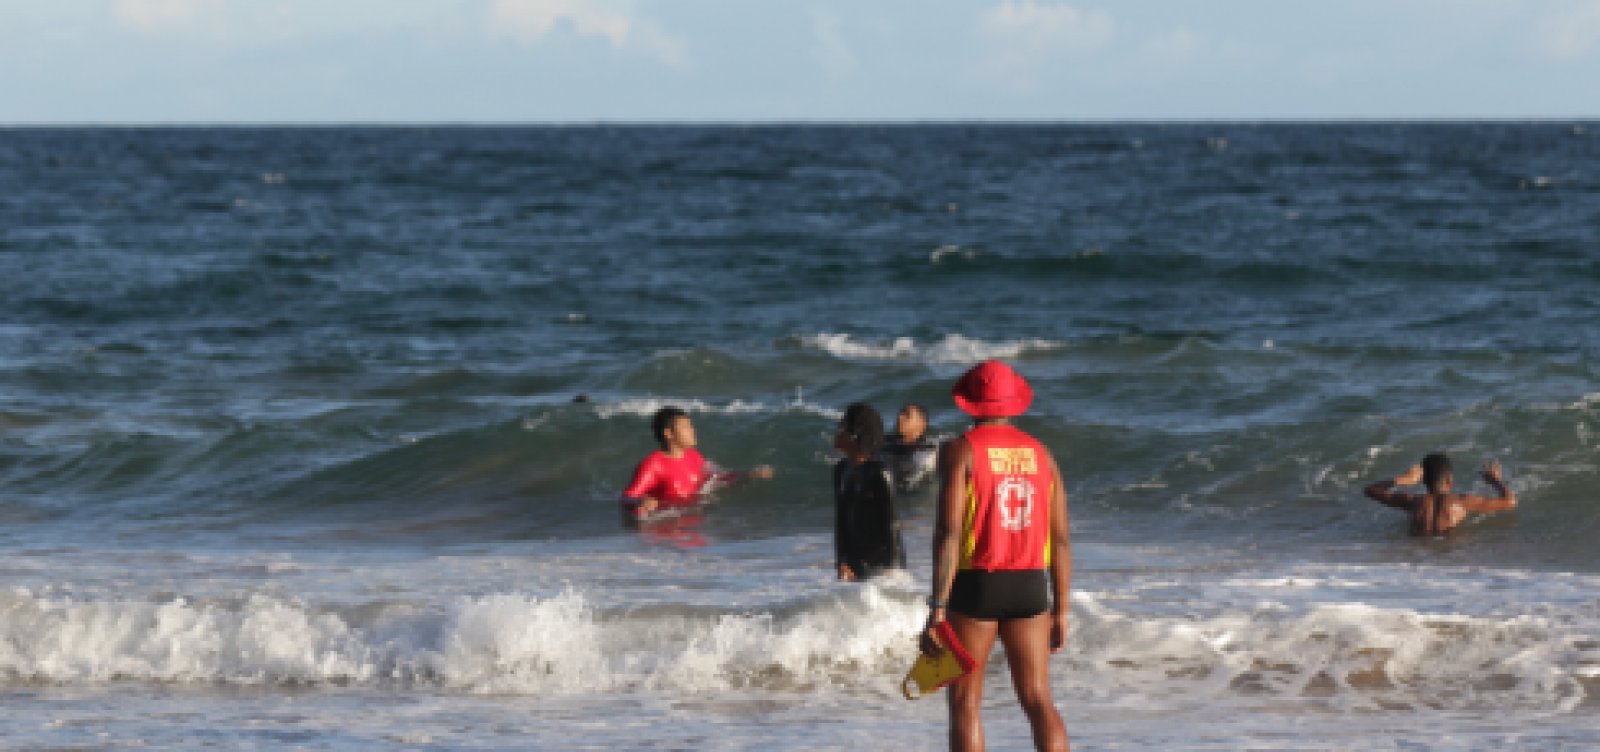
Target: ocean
{"points": [[292, 455]]}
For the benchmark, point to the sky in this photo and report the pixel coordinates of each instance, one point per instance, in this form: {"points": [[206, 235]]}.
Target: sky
{"points": [[559, 61]]}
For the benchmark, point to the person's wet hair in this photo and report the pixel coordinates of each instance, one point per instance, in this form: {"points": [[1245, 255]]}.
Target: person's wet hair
{"points": [[663, 420], [915, 407], [865, 427], [1435, 468]]}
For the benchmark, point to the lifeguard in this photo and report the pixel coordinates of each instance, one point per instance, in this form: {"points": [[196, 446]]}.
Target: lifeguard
{"points": [[1000, 552]]}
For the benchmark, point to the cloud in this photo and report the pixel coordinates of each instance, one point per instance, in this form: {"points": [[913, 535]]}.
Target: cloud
{"points": [[1049, 26], [1025, 35], [831, 50], [1572, 33], [530, 21], [1177, 47], [1340, 67], [170, 17], [1183, 51], [212, 23]]}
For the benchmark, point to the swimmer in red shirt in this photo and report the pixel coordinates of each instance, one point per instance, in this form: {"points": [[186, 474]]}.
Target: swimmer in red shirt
{"points": [[675, 475]]}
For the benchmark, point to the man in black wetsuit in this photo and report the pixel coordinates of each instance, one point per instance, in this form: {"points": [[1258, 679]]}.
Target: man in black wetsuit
{"points": [[909, 452]]}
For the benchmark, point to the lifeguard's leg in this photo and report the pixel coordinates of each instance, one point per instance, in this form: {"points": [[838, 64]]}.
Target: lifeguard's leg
{"points": [[966, 694], [1027, 643]]}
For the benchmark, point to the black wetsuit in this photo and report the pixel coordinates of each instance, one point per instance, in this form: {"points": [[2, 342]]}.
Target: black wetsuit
{"points": [[866, 530], [911, 464]]}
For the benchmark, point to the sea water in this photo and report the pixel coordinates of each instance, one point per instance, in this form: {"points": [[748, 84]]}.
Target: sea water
{"points": [[290, 455]]}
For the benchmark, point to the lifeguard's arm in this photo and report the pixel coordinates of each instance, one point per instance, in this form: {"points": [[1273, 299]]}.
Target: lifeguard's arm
{"points": [[1507, 499], [955, 464], [1383, 491], [1060, 558]]}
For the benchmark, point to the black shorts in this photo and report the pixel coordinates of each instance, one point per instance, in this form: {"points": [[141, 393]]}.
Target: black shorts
{"points": [[1003, 594]]}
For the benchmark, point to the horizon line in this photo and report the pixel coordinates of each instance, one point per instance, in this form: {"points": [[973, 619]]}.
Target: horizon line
{"points": [[795, 122]]}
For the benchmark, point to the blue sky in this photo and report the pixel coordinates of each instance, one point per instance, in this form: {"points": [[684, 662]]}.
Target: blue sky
{"points": [[120, 61]]}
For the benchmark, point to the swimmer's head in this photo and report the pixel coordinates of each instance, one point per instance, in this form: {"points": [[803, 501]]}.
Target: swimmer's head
{"points": [[1436, 474], [912, 422], [860, 431], [671, 426]]}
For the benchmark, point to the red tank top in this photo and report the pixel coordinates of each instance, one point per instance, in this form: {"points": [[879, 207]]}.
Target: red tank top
{"points": [[1007, 524], [671, 481]]}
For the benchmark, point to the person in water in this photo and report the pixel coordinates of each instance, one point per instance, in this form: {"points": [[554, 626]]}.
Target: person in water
{"points": [[1439, 511], [1002, 562], [676, 475], [866, 531], [911, 455]]}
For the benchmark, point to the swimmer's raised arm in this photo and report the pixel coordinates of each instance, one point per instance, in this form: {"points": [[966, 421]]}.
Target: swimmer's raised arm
{"points": [[1384, 493], [1507, 499]]}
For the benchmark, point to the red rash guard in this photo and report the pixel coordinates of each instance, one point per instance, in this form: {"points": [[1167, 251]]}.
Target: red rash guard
{"points": [[672, 482]]}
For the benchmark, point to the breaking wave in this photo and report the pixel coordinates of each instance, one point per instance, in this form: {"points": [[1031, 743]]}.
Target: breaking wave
{"points": [[1342, 657]]}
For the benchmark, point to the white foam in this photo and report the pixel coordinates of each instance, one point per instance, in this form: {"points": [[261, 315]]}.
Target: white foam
{"points": [[863, 635], [497, 643], [1339, 656], [952, 348], [263, 640], [510, 643], [951, 250]]}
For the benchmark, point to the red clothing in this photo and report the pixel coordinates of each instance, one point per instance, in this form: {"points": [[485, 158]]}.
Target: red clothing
{"points": [[671, 481], [1007, 523], [678, 531]]}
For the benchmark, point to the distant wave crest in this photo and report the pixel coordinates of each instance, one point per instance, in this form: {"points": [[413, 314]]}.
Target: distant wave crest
{"points": [[643, 406], [952, 348]]}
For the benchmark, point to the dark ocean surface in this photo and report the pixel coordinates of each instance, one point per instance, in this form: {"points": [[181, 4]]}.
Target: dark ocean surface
{"points": [[288, 432]]}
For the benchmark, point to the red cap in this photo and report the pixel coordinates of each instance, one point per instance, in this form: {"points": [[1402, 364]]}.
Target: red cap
{"points": [[992, 390]]}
